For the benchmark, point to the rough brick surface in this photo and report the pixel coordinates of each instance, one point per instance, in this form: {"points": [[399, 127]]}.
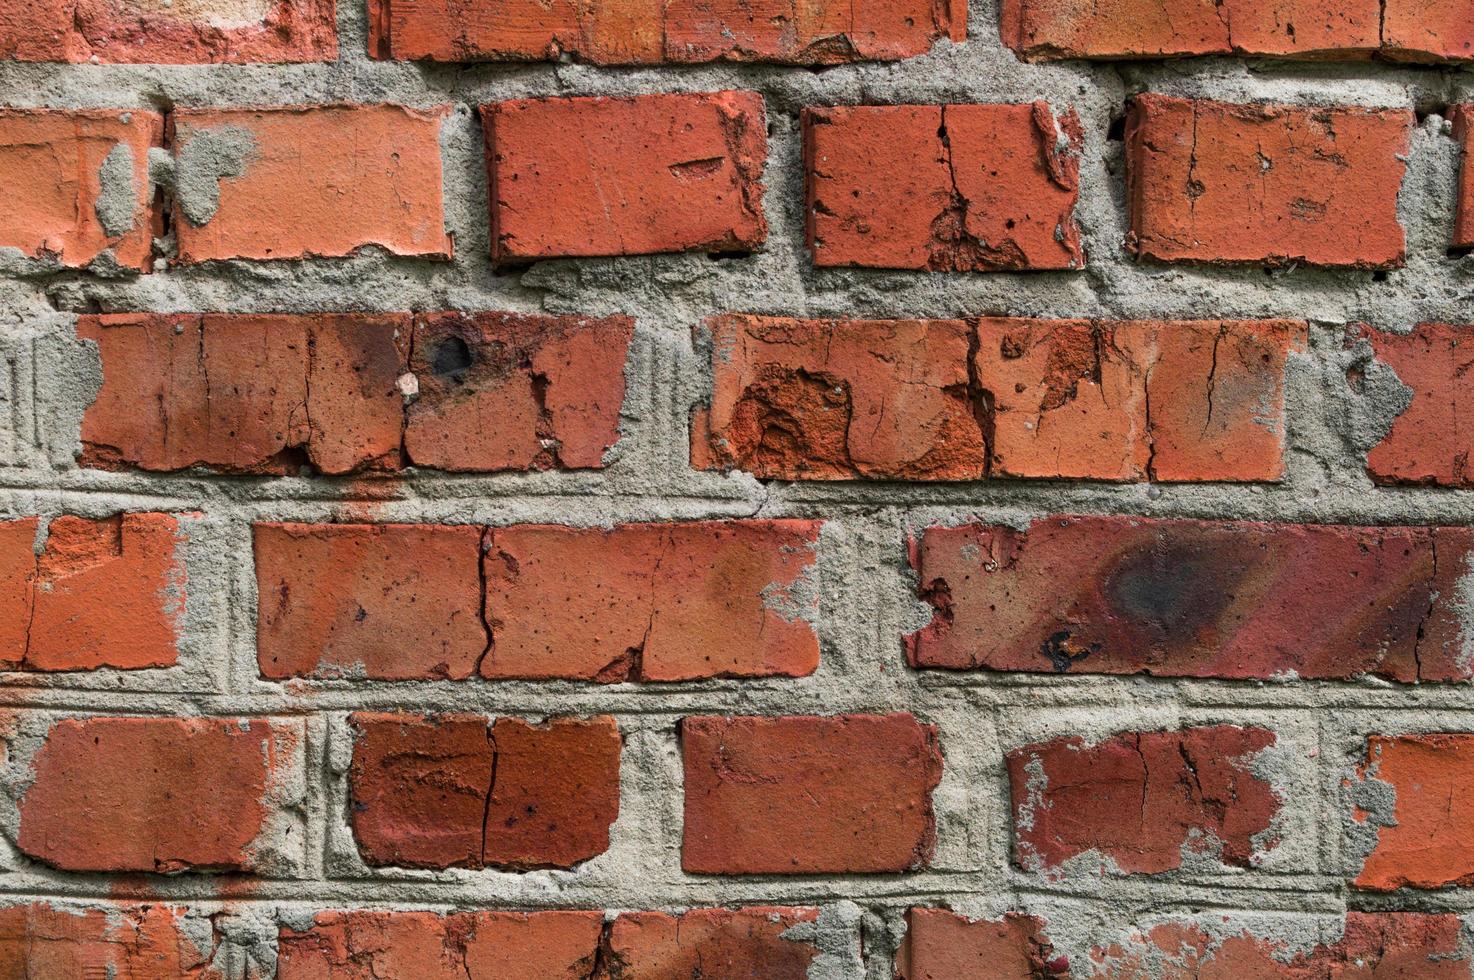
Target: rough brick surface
{"points": [[1430, 442], [1136, 801], [960, 400], [1425, 841], [152, 794], [458, 791], [142, 32], [50, 940], [844, 794], [625, 176], [750, 942], [652, 602], [1428, 30], [299, 181], [1272, 185], [78, 184], [942, 945], [1462, 117], [611, 32], [949, 188], [1175, 598], [385, 601]]}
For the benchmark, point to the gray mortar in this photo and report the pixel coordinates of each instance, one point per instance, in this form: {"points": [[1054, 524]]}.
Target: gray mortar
{"points": [[866, 595], [117, 197]]}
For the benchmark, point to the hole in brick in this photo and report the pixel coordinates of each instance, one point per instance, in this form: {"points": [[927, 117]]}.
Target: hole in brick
{"points": [[451, 359]]}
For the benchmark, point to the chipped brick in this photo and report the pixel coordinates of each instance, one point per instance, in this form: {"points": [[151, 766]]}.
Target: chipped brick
{"points": [[1428, 842], [749, 942], [44, 939], [1428, 443], [941, 945]]}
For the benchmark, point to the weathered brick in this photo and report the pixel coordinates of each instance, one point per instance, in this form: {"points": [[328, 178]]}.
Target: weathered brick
{"points": [[652, 602], [247, 393], [1138, 799], [1425, 842], [147, 32], [948, 188], [153, 794], [300, 181], [1462, 117], [368, 944], [45, 939], [941, 945], [512, 391], [1272, 185], [1180, 598], [618, 32], [625, 176], [844, 794], [458, 791], [749, 942], [379, 601], [959, 400], [1428, 443], [1428, 30], [77, 184]]}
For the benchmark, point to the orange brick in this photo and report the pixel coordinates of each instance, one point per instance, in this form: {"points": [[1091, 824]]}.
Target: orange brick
{"points": [[1428, 839], [44, 939]]}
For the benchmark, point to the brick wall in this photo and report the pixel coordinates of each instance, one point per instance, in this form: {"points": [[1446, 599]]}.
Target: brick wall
{"points": [[522, 489]]}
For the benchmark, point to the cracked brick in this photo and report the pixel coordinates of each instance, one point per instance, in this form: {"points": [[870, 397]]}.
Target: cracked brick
{"points": [[1429, 443], [49, 939]]}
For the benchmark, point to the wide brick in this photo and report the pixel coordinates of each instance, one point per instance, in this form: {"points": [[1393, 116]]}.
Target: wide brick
{"points": [[305, 181], [246, 393], [102, 593], [947, 188], [838, 795], [1428, 30], [153, 794], [1271, 185], [77, 185], [652, 602], [959, 400], [458, 791], [749, 942], [618, 32], [942, 945], [377, 601], [145, 32], [124, 941], [513, 391], [1138, 800], [1179, 598], [1428, 443], [1427, 841], [625, 176], [369, 944]]}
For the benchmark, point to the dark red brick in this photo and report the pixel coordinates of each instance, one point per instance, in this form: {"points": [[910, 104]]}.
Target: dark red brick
{"points": [[941, 945]]}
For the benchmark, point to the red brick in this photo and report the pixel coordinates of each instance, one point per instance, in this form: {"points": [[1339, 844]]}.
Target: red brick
{"points": [[839, 795], [125, 941], [652, 602], [1373, 945], [1270, 185], [617, 32], [1430, 843], [512, 391], [1139, 798], [948, 188], [1049, 29], [377, 601], [142, 32], [17, 588], [825, 399], [370, 944], [1463, 122], [246, 393], [1428, 30], [152, 794], [625, 176], [1427, 443], [301, 181], [941, 945], [746, 942], [456, 791], [77, 184], [1179, 598]]}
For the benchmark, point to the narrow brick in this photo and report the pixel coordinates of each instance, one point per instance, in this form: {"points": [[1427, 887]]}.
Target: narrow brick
{"points": [[1138, 800], [1181, 598], [153, 794], [1271, 185], [611, 32], [458, 791], [46, 939], [625, 176], [947, 188], [749, 942], [942, 945], [1425, 841], [1428, 443], [376, 601], [144, 32], [296, 182], [652, 602], [849, 794], [1462, 117], [77, 184]]}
